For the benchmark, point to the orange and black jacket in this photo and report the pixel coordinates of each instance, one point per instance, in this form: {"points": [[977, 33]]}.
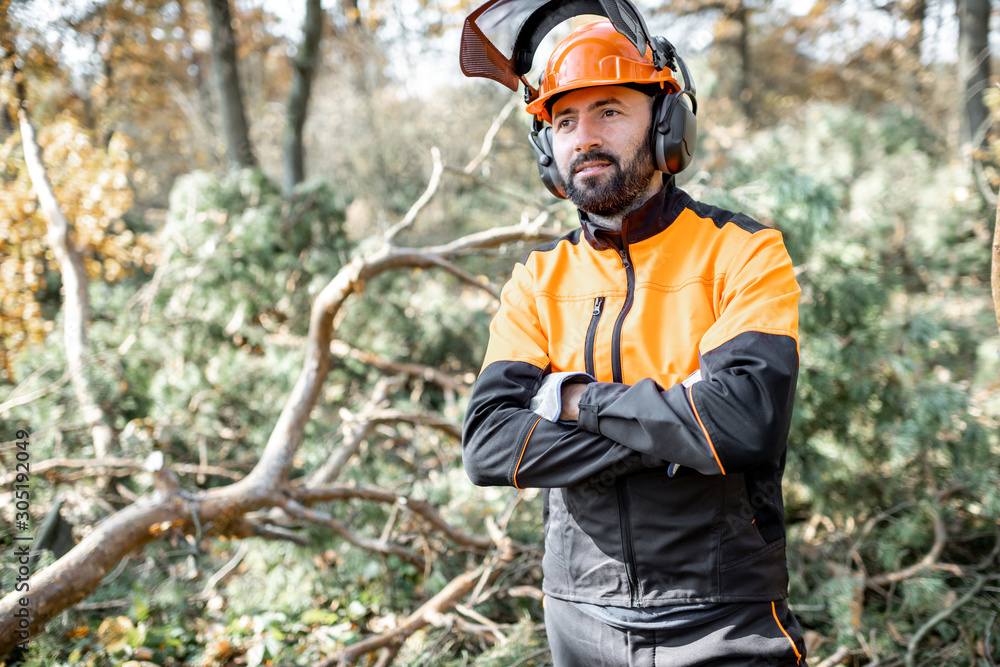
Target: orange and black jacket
{"points": [[683, 288]]}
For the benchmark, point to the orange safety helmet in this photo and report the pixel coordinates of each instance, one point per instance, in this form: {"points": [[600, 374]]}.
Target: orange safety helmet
{"points": [[596, 54]]}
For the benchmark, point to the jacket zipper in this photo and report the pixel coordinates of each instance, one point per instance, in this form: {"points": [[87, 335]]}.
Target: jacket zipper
{"points": [[628, 549], [595, 318], [616, 341], [621, 486]]}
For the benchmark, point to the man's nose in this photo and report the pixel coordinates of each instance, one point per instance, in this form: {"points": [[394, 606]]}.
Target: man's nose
{"points": [[587, 137]]}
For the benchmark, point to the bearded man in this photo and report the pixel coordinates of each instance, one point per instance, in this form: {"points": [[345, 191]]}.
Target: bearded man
{"points": [[641, 370]]}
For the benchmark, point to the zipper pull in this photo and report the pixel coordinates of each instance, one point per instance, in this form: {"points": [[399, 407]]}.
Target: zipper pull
{"points": [[598, 305], [625, 262]]}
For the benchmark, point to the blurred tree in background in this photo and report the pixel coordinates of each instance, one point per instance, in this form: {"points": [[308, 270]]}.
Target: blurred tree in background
{"points": [[282, 352]]}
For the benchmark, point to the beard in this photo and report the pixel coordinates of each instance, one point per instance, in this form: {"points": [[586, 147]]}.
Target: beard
{"points": [[611, 194]]}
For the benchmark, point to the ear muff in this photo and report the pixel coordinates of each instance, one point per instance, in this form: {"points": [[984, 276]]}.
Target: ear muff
{"points": [[675, 127], [675, 131], [541, 140]]}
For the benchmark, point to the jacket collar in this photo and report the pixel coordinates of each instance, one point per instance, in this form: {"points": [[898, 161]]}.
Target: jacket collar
{"points": [[647, 221]]}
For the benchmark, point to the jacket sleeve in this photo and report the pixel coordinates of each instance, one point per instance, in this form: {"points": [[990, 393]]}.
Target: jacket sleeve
{"points": [[504, 442], [738, 415]]}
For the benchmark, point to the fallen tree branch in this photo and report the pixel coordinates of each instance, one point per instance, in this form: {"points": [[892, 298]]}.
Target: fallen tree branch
{"points": [[431, 612], [276, 460], [214, 580], [836, 658], [222, 511], [428, 373], [487, 184], [308, 495], [355, 434], [485, 624], [418, 419], [299, 511], [467, 277], [929, 561], [343, 350], [14, 400], [911, 649], [120, 468]]}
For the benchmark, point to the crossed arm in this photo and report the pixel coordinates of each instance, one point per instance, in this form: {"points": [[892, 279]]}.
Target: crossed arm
{"points": [[734, 418]]}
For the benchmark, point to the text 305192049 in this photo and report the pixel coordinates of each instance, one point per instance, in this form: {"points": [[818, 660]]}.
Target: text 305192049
{"points": [[22, 536]]}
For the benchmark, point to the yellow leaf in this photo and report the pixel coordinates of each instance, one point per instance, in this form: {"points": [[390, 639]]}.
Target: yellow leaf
{"points": [[113, 633]]}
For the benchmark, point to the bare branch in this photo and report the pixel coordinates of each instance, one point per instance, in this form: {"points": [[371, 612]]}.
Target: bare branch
{"points": [[835, 659], [995, 270], [491, 133], [299, 511], [429, 612], [355, 433], [911, 649], [419, 418], [275, 462], [490, 238], [432, 186], [76, 300], [81, 570], [429, 373], [467, 277], [214, 580], [78, 573], [486, 624], [309, 495], [461, 384], [251, 527], [486, 184], [14, 400], [928, 562], [120, 468]]}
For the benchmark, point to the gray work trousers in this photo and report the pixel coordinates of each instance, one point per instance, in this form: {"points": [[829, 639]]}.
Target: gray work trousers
{"points": [[755, 634]]}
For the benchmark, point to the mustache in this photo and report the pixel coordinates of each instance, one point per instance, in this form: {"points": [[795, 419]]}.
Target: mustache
{"points": [[596, 154]]}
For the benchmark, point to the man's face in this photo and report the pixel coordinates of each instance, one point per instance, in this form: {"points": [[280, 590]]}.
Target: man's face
{"points": [[600, 137]]}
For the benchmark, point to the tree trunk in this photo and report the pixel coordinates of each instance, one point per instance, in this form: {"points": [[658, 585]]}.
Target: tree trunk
{"points": [[76, 302], [914, 12], [974, 71], [304, 68], [234, 122], [995, 271], [743, 87], [732, 31]]}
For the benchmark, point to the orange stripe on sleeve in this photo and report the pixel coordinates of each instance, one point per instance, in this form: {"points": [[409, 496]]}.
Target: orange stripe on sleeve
{"points": [[690, 395], [522, 452], [774, 612]]}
